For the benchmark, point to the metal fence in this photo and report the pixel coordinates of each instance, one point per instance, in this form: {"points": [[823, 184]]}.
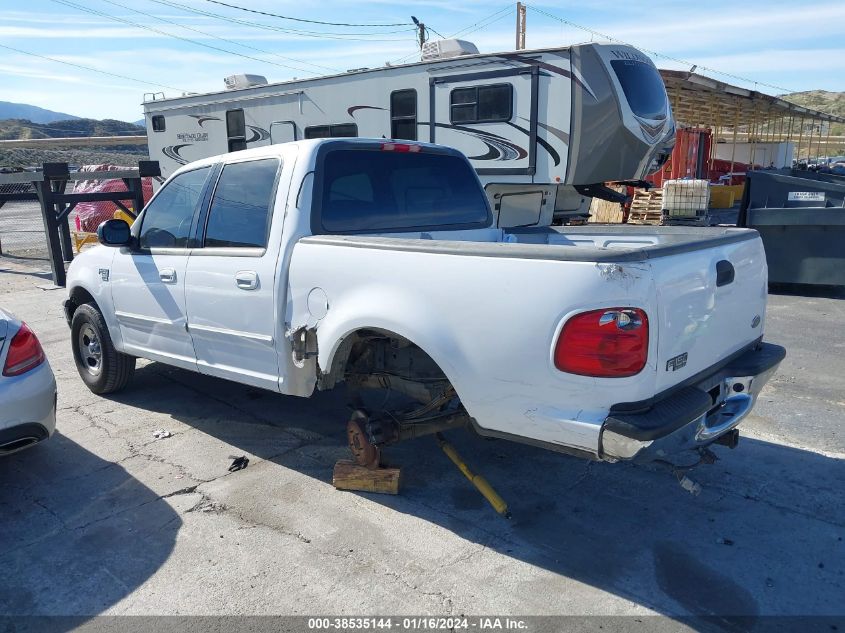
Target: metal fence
{"points": [[36, 208], [21, 225]]}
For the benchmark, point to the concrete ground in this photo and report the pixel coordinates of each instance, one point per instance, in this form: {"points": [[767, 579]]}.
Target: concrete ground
{"points": [[105, 519]]}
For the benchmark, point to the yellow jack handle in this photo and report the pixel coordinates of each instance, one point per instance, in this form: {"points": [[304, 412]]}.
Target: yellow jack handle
{"points": [[499, 504]]}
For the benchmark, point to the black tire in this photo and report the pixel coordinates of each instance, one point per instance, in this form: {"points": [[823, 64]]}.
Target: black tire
{"points": [[102, 368]]}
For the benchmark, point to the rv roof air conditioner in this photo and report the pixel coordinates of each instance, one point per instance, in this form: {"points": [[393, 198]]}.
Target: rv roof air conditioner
{"points": [[238, 82], [444, 49]]}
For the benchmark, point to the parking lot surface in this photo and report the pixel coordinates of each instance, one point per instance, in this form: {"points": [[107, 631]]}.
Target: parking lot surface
{"points": [[105, 518]]}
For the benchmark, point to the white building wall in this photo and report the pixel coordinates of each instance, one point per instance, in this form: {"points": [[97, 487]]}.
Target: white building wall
{"points": [[763, 154]]}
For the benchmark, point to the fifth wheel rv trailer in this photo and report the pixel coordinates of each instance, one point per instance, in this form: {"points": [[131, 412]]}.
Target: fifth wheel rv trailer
{"points": [[544, 129]]}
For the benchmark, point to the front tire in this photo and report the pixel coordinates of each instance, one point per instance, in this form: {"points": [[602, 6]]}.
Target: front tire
{"points": [[102, 368]]}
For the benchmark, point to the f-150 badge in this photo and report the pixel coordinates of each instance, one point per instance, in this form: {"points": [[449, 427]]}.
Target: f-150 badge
{"points": [[674, 364]]}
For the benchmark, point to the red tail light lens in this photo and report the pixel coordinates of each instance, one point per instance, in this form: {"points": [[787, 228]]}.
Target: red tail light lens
{"points": [[609, 343], [25, 352], [400, 147]]}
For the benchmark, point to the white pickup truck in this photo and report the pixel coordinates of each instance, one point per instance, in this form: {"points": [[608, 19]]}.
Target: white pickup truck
{"points": [[295, 267]]}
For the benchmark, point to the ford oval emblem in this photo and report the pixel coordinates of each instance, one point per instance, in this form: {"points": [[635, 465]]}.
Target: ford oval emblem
{"points": [[755, 321]]}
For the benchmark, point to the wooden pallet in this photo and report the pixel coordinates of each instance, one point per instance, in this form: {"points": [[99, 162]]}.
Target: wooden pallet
{"points": [[646, 207]]}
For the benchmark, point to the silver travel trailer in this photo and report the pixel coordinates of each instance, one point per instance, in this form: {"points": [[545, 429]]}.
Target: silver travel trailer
{"points": [[544, 129]]}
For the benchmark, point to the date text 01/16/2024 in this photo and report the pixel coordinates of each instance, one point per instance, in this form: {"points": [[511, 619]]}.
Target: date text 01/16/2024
{"points": [[415, 624]]}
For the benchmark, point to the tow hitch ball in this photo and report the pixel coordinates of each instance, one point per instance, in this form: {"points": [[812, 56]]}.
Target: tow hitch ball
{"points": [[729, 439]]}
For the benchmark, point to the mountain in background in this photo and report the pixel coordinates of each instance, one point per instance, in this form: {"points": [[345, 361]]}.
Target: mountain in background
{"points": [[823, 101], [32, 113], [26, 128]]}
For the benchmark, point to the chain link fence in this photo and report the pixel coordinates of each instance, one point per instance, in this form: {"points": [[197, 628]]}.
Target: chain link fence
{"points": [[21, 226]]}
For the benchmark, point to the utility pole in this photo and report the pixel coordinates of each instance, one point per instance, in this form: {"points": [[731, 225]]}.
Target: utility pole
{"points": [[520, 26], [421, 30]]}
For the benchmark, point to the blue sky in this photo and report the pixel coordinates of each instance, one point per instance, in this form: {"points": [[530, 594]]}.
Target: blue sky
{"points": [[792, 45]]}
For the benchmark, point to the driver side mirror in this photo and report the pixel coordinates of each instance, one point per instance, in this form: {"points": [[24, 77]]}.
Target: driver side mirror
{"points": [[114, 233]]}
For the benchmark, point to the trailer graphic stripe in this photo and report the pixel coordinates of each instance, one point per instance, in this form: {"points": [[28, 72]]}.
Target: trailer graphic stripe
{"points": [[202, 118], [258, 134], [353, 109], [541, 141], [551, 68], [498, 147], [172, 152]]}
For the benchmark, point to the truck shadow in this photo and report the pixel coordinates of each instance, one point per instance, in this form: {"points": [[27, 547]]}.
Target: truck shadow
{"points": [[79, 533], [763, 538]]}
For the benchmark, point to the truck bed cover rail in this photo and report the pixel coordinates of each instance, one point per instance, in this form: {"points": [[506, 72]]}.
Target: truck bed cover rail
{"points": [[535, 243]]}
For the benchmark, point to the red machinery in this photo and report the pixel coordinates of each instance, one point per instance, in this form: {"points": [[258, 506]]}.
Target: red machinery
{"points": [[690, 158]]}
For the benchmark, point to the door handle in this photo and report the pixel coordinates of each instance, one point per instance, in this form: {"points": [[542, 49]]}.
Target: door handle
{"points": [[167, 275], [246, 279]]}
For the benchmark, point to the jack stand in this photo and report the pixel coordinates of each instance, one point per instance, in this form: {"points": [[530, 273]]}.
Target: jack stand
{"points": [[499, 504], [365, 473]]}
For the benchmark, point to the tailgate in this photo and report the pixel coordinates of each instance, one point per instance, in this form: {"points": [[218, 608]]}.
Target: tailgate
{"points": [[711, 303]]}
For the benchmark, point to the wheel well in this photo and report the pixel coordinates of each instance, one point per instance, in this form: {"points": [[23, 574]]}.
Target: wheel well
{"points": [[381, 351], [78, 296]]}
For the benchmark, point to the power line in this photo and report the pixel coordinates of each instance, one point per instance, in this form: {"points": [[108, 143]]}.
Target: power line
{"points": [[287, 17], [178, 37], [222, 39], [503, 11], [487, 21], [95, 70], [657, 54], [267, 27]]}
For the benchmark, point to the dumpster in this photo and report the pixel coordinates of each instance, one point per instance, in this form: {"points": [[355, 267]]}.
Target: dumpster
{"points": [[800, 216]]}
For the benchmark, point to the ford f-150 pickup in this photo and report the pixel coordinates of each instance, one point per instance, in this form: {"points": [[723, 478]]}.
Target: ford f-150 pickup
{"points": [[299, 266]]}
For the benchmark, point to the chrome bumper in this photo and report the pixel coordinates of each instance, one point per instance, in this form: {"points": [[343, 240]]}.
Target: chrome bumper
{"points": [[695, 415]]}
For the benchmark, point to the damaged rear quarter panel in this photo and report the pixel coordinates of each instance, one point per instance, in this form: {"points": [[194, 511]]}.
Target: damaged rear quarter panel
{"points": [[489, 322]]}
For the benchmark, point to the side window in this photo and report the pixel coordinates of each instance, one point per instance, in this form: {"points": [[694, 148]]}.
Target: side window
{"points": [[403, 115], [240, 209], [236, 130], [481, 104], [167, 219], [158, 123], [338, 130]]}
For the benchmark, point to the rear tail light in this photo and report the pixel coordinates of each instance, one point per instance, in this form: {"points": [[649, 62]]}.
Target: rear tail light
{"points": [[25, 352], [609, 343], [400, 147]]}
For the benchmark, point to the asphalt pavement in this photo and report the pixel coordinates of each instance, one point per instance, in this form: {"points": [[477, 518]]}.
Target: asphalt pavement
{"points": [[106, 518]]}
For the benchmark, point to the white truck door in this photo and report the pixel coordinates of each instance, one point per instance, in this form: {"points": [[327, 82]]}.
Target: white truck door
{"points": [[148, 284], [489, 116], [231, 277]]}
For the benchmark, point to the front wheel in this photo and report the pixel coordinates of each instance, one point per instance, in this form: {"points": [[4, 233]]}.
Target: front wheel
{"points": [[102, 368]]}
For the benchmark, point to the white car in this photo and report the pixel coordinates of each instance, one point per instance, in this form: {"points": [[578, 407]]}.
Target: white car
{"points": [[27, 388], [298, 266]]}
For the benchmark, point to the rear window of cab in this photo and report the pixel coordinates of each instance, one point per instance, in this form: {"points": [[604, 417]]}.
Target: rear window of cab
{"points": [[372, 190]]}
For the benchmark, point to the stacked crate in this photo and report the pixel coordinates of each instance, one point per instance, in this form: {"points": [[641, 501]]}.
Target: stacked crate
{"points": [[646, 207]]}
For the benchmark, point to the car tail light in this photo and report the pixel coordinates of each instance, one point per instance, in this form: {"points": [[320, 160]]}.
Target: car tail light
{"points": [[25, 352], [400, 147], [609, 343]]}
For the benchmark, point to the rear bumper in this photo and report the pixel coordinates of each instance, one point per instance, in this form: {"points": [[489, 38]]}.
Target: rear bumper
{"points": [[692, 416], [27, 409]]}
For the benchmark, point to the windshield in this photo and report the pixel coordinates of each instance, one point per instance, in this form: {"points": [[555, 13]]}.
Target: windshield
{"points": [[643, 88], [367, 190]]}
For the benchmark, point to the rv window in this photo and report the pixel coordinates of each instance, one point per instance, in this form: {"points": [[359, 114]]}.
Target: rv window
{"points": [[643, 88], [403, 115], [158, 123], [240, 210], [236, 130], [166, 222], [482, 104], [390, 191], [339, 130]]}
